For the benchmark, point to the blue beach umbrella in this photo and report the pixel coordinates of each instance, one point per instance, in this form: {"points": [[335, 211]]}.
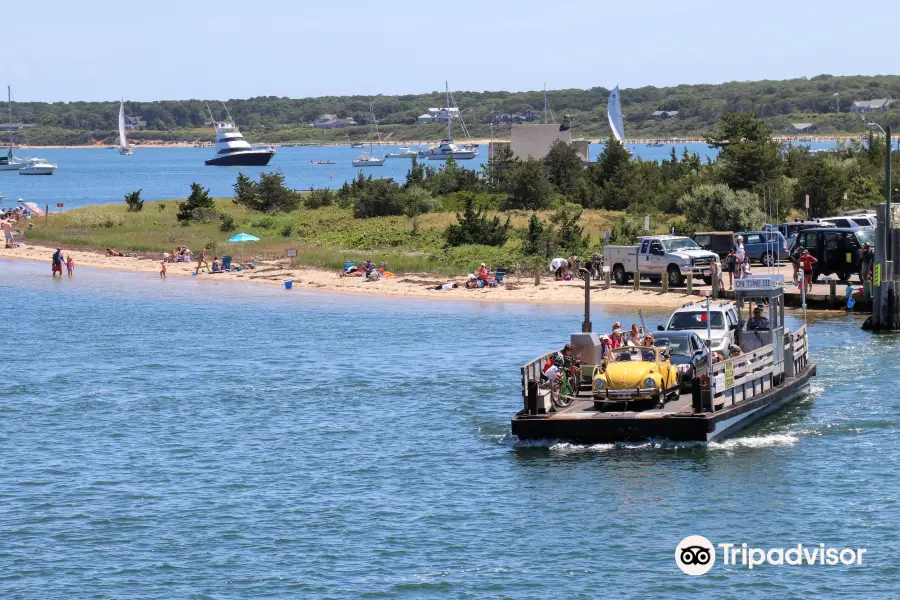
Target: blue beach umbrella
{"points": [[242, 237]]}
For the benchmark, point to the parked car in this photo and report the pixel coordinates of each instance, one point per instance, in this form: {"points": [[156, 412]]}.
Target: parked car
{"points": [[723, 323], [790, 229], [851, 222], [837, 249], [720, 242], [659, 256], [687, 352], [767, 247]]}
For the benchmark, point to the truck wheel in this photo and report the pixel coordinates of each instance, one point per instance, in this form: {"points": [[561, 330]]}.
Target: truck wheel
{"points": [[768, 259], [844, 276], [619, 275], [676, 279], [707, 280]]}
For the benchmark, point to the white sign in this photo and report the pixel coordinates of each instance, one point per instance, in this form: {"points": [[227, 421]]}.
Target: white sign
{"points": [[292, 252], [807, 202], [646, 222], [759, 282]]}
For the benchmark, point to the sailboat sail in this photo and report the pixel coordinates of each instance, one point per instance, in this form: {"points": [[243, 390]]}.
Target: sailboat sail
{"points": [[614, 112], [123, 143]]}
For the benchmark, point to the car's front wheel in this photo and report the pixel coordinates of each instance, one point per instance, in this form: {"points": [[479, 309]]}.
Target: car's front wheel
{"points": [[768, 259]]}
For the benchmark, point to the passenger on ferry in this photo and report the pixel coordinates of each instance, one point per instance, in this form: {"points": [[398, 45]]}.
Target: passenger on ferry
{"points": [[734, 350], [757, 322], [635, 337], [615, 340]]}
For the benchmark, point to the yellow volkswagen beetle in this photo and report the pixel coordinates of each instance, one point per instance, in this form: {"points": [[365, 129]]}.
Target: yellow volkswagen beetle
{"points": [[635, 373]]}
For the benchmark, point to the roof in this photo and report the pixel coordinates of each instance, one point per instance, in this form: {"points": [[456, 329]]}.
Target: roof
{"points": [[876, 103], [714, 233], [801, 125]]}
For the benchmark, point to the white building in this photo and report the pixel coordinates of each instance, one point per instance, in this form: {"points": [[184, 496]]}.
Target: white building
{"points": [[438, 115]]}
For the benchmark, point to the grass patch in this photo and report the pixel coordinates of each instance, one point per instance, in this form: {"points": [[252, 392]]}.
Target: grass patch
{"points": [[325, 238]]}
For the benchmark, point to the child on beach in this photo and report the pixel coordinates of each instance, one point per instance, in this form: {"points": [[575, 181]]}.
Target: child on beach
{"points": [[70, 265], [162, 272]]}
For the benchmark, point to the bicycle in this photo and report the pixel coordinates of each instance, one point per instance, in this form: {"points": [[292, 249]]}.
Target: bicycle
{"points": [[564, 387]]}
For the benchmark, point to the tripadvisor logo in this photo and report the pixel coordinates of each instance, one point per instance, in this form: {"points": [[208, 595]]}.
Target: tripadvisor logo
{"points": [[696, 555]]}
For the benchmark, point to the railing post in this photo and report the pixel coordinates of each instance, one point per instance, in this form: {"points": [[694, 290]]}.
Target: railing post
{"points": [[637, 280], [690, 284], [832, 292], [665, 283]]}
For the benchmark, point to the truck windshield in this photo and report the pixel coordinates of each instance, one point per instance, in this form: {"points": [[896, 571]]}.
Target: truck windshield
{"points": [[696, 320], [681, 244], [866, 236]]}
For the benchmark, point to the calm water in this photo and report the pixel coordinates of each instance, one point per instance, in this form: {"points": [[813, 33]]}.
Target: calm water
{"points": [[99, 176], [198, 439]]}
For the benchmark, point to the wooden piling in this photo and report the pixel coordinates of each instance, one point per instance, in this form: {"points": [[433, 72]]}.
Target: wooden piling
{"points": [[832, 292], [637, 280], [690, 284], [665, 283]]}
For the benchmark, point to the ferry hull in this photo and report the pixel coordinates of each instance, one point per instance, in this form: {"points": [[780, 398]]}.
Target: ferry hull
{"points": [[252, 158], [615, 426]]}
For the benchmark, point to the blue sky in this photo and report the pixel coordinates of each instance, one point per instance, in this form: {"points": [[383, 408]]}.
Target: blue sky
{"points": [[99, 50]]}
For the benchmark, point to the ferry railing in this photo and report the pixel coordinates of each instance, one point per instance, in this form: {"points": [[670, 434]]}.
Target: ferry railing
{"points": [[754, 372], [532, 371], [750, 375]]}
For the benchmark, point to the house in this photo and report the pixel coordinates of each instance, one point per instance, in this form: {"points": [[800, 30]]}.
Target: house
{"points": [[665, 114], [134, 123], [341, 123], [880, 104], [325, 121], [498, 117], [438, 115], [801, 128]]}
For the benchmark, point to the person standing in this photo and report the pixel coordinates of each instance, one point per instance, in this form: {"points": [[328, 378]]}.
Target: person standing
{"points": [[866, 259], [730, 266], [807, 261], [795, 261], [162, 271], [57, 262], [201, 260], [70, 265], [715, 272], [739, 249], [559, 266], [7, 233]]}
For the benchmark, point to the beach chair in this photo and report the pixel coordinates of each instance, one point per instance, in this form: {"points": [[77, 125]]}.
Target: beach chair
{"points": [[226, 263], [499, 275]]}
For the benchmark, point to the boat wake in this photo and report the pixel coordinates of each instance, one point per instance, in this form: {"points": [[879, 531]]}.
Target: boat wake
{"points": [[558, 447]]}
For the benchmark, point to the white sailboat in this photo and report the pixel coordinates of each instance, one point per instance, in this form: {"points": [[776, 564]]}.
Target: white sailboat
{"points": [[447, 148], [124, 148], [614, 112], [368, 159], [10, 162], [403, 152]]}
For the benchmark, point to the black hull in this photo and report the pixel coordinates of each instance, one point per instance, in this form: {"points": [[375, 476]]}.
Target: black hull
{"points": [[251, 158]]}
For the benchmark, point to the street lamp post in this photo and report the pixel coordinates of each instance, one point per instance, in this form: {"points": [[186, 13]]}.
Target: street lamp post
{"points": [[887, 189]]}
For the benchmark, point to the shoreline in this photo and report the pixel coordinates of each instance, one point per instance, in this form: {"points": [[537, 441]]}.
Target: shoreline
{"points": [[642, 140], [411, 286]]}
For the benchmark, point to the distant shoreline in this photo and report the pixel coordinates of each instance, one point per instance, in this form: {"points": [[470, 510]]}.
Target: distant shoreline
{"points": [[481, 142]]}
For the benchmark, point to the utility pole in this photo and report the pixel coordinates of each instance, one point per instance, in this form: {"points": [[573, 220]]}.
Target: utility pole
{"points": [[887, 195]]}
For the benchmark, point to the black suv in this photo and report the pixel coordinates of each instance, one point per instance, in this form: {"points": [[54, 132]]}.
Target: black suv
{"points": [[836, 248]]}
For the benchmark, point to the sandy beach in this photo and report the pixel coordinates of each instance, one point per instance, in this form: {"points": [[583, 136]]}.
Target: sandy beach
{"points": [[276, 272]]}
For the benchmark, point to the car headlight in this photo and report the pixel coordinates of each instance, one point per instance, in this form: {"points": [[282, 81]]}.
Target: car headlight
{"points": [[686, 262], [649, 382], [683, 368]]}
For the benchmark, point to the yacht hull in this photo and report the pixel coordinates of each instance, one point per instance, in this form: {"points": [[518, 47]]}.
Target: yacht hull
{"points": [[37, 171], [11, 166], [250, 158], [460, 155]]}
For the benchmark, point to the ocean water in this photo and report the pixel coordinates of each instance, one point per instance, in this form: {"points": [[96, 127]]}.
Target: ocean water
{"points": [[209, 440], [100, 176]]}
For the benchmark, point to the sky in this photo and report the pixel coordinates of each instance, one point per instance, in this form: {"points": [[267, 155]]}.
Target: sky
{"points": [[166, 50]]}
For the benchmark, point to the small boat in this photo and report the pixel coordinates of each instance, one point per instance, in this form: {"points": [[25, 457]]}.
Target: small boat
{"points": [[124, 147], [321, 162], [10, 162], [447, 148], [232, 150], [403, 152], [356, 145], [656, 144], [37, 166], [367, 160]]}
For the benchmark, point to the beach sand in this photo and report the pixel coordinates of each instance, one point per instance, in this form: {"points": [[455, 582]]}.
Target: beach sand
{"points": [[276, 272]]}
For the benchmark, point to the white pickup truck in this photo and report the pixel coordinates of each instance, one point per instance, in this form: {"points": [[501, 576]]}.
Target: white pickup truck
{"points": [[659, 256]]}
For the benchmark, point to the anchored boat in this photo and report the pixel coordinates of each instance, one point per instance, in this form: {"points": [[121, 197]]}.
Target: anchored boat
{"points": [[772, 369], [232, 150]]}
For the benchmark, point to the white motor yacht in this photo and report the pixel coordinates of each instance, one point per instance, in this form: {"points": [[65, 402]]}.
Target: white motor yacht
{"points": [[232, 150], [37, 166], [403, 152]]}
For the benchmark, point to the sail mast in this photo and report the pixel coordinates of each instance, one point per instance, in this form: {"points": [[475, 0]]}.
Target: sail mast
{"points": [[545, 103], [449, 116], [9, 108]]}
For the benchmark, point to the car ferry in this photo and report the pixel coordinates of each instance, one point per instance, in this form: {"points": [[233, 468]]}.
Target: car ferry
{"points": [[638, 400]]}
